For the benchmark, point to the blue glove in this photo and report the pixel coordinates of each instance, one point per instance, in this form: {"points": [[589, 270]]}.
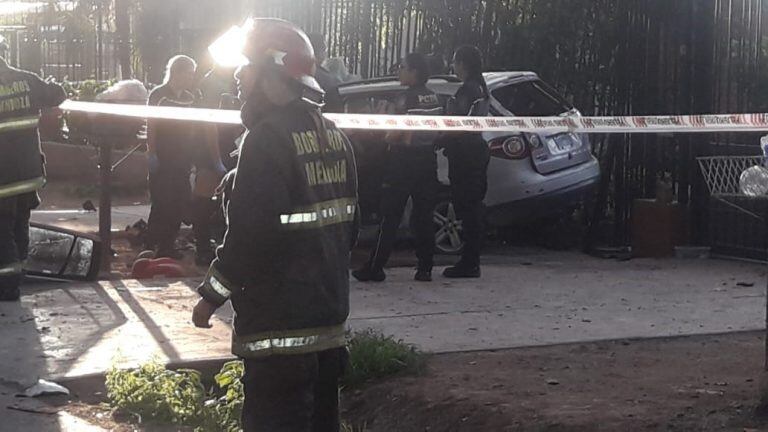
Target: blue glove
{"points": [[220, 168], [153, 163]]}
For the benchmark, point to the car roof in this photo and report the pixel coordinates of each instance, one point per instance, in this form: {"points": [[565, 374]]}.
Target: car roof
{"points": [[441, 84]]}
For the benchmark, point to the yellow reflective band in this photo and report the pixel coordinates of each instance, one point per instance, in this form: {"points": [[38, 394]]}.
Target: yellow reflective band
{"points": [[290, 342], [298, 218], [216, 288], [12, 269], [21, 187], [18, 123], [280, 343], [219, 287], [321, 214]]}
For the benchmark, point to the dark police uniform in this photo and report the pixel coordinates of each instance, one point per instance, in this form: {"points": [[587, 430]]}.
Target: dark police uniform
{"points": [[22, 96], [468, 158], [177, 148], [284, 265], [329, 83], [411, 172]]}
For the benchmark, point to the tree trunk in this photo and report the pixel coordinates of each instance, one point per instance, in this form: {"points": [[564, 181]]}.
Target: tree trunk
{"points": [[123, 25]]}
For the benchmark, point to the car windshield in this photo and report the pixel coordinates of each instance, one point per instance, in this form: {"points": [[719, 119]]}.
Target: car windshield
{"points": [[531, 99]]}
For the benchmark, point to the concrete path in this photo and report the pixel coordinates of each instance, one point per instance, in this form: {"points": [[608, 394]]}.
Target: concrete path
{"points": [[525, 298], [552, 298]]}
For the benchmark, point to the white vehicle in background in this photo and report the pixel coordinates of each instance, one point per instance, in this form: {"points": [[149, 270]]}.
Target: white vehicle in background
{"points": [[531, 176]]}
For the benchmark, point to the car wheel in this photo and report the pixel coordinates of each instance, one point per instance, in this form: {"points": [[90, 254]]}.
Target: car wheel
{"points": [[448, 229]]}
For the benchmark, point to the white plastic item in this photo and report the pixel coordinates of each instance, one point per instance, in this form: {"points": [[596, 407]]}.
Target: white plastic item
{"points": [[44, 388], [764, 146], [754, 181]]}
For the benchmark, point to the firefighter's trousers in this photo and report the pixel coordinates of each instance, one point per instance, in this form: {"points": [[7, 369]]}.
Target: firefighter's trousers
{"points": [[14, 241], [293, 393]]}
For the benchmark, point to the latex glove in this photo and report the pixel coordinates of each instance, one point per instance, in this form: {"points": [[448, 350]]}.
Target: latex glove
{"points": [[153, 163], [202, 313], [220, 168]]}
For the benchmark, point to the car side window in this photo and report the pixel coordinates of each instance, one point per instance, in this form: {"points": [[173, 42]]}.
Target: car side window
{"points": [[530, 99], [368, 105]]}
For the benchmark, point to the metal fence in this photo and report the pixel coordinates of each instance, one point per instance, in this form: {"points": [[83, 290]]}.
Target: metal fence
{"points": [[618, 57], [607, 56], [72, 40]]}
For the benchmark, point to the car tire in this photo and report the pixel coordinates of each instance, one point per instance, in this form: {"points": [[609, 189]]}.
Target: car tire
{"points": [[448, 229]]}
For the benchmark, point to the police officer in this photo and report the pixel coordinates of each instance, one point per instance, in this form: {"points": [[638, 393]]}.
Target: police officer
{"points": [[468, 158], [411, 172], [325, 78], [22, 96], [172, 150], [291, 218]]}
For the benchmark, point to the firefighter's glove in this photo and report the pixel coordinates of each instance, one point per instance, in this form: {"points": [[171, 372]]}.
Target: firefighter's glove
{"points": [[202, 313]]}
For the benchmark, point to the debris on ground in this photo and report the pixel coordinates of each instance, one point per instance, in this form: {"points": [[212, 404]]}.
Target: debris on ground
{"points": [[160, 267], [88, 206], [45, 388]]}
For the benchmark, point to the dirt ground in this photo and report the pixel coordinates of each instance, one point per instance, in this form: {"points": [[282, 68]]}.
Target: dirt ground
{"points": [[708, 383], [703, 383]]}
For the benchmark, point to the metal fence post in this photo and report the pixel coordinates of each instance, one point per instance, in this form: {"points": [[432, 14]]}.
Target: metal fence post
{"points": [[105, 201]]}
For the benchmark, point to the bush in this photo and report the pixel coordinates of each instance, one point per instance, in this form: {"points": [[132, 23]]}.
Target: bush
{"points": [[374, 356], [222, 412], [154, 393]]}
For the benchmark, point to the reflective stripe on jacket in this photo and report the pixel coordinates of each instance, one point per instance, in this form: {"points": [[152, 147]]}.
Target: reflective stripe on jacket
{"points": [[12, 269], [300, 341]]}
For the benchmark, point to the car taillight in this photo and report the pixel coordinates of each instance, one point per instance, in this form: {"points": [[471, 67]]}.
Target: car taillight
{"points": [[512, 148]]}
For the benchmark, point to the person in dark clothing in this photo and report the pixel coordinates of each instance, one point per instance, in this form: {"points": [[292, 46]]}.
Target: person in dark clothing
{"points": [[219, 92], [216, 88], [327, 81], [411, 172], [292, 221], [468, 158], [437, 64], [22, 97], [173, 149]]}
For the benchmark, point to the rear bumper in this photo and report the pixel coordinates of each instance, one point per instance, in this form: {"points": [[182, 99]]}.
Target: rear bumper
{"points": [[543, 205]]}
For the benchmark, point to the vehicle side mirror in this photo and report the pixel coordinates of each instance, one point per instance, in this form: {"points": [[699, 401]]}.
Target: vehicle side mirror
{"points": [[62, 254]]}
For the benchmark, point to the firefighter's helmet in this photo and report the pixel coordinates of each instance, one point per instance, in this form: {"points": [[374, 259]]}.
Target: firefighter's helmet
{"points": [[282, 45]]}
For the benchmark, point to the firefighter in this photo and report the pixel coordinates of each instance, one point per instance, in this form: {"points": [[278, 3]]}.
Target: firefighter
{"points": [[411, 172], [22, 97], [468, 158], [291, 214]]}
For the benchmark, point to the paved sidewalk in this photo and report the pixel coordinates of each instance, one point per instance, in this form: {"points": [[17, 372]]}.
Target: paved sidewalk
{"points": [[526, 298], [70, 329]]}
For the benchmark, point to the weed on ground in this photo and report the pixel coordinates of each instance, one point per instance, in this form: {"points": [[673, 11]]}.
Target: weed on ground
{"points": [[154, 394]]}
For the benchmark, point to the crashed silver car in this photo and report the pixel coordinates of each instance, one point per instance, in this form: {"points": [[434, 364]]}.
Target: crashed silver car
{"points": [[531, 176]]}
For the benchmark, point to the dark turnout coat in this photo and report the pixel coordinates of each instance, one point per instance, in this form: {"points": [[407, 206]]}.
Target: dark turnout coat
{"points": [[22, 96], [291, 217]]}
